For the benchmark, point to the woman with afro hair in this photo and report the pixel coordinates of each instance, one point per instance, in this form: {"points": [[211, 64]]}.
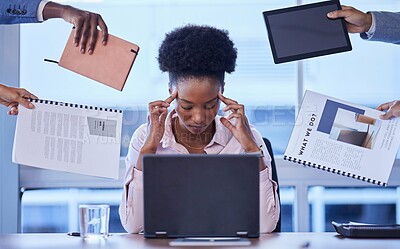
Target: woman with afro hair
{"points": [[196, 59]]}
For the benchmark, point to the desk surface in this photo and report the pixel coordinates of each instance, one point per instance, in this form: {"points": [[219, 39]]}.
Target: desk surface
{"points": [[126, 241]]}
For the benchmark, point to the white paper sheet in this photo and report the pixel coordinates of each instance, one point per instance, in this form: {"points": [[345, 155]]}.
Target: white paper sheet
{"points": [[69, 137]]}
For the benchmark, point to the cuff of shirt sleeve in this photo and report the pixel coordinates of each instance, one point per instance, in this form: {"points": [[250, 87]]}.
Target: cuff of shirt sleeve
{"points": [[40, 10], [371, 30]]}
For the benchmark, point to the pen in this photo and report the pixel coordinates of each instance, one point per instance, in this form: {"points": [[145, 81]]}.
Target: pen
{"points": [[305, 244], [76, 234]]}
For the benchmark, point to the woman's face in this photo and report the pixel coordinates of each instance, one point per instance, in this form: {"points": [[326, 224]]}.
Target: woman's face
{"points": [[197, 102]]}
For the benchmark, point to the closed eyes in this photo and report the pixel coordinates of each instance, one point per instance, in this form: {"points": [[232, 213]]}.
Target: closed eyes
{"points": [[208, 107]]}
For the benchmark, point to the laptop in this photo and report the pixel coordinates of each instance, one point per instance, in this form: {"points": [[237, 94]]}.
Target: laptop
{"points": [[201, 195]]}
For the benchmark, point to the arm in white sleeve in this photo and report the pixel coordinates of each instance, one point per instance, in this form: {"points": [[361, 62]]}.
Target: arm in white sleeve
{"points": [[269, 202], [131, 208]]}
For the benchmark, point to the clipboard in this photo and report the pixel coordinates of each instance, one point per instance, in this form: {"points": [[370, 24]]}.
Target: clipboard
{"points": [[360, 230], [109, 65]]}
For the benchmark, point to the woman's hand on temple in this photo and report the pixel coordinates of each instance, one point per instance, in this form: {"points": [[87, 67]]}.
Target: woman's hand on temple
{"points": [[158, 111], [241, 128]]}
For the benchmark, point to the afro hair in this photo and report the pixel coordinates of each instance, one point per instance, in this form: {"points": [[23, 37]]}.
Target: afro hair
{"points": [[198, 51]]}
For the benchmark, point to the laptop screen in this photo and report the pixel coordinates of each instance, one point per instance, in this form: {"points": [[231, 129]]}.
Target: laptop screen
{"points": [[201, 195]]}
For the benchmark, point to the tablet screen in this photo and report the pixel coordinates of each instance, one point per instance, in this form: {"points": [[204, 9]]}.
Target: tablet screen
{"points": [[305, 31]]}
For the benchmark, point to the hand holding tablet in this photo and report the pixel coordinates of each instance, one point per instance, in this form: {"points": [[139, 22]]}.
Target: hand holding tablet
{"points": [[305, 31]]}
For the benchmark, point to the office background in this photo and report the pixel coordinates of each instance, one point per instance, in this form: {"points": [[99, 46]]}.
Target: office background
{"points": [[34, 200]]}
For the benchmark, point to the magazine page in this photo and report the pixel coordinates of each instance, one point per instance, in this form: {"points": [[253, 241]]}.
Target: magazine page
{"points": [[344, 138], [69, 137]]}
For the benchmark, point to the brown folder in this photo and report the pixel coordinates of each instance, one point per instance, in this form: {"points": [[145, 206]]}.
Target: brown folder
{"points": [[108, 64]]}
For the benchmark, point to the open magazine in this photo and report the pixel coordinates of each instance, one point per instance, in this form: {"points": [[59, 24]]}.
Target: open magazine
{"points": [[344, 138]]}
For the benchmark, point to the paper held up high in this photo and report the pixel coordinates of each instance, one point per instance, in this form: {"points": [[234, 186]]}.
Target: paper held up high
{"points": [[69, 137], [110, 64]]}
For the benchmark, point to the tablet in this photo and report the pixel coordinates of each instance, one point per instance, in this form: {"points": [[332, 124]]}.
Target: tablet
{"points": [[305, 31]]}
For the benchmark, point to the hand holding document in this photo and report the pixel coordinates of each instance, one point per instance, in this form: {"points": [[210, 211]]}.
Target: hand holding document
{"points": [[344, 138], [69, 137]]}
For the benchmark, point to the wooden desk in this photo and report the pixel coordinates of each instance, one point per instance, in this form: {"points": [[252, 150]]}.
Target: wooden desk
{"points": [[131, 241]]}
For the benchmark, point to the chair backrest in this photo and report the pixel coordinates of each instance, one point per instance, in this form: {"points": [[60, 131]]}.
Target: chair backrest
{"points": [[275, 178]]}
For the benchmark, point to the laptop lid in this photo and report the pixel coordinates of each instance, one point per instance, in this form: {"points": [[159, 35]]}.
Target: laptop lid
{"points": [[201, 195], [305, 31]]}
